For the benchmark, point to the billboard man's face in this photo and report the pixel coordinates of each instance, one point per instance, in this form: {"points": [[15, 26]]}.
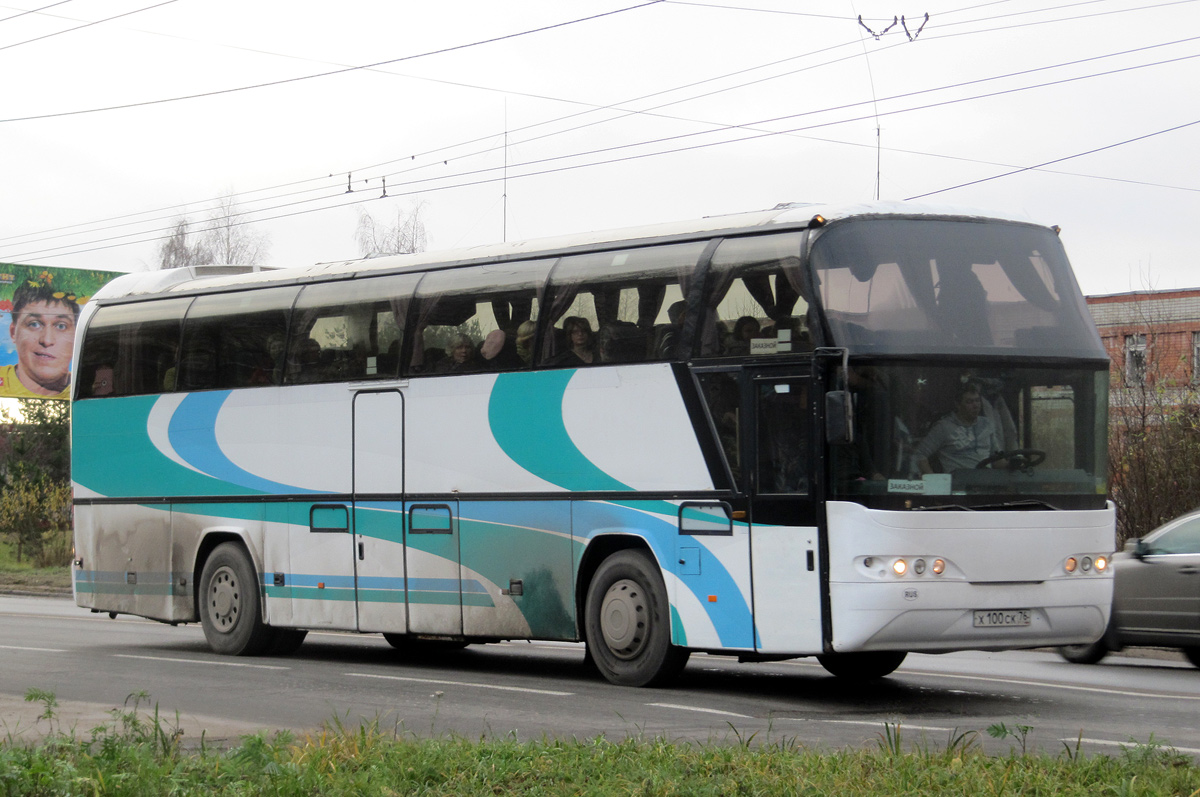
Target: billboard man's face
{"points": [[44, 334]]}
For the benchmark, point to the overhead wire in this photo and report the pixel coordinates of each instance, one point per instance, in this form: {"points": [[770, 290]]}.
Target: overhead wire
{"points": [[492, 137], [719, 128], [26, 237], [88, 24], [480, 179], [330, 73]]}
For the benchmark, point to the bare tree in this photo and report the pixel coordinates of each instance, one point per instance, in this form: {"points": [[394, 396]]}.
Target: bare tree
{"points": [[225, 238], [229, 239], [404, 235], [182, 248]]}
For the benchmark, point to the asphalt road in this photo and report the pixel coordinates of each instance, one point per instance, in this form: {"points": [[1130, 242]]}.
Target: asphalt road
{"points": [[92, 664]]}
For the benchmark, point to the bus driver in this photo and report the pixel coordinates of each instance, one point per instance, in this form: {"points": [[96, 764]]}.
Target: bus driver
{"points": [[962, 438]]}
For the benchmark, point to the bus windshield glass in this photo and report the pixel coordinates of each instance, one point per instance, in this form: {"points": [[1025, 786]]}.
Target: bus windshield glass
{"points": [[924, 433], [926, 286]]}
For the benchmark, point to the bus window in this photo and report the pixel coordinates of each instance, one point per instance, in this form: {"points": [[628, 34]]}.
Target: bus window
{"points": [[631, 303], [722, 394], [131, 349], [233, 340], [478, 319], [755, 302], [784, 455], [349, 330]]}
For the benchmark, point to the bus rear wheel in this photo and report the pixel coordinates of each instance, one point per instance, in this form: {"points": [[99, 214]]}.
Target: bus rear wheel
{"points": [[862, 666], [628, 622], [230, 609]]}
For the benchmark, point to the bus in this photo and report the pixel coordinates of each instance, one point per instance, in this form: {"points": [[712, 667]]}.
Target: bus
{"points": [[844, 432]]}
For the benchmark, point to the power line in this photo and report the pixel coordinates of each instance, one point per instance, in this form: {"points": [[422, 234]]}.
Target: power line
{"points": [[286, 81], [721, 128], [1057, 160], [86, 25], [624, 158], [35, 10]]}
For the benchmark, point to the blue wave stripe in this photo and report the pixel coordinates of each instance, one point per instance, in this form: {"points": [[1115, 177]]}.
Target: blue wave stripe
{"points": [[193, 435]]}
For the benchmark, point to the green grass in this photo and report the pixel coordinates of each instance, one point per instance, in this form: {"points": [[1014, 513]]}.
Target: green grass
{"points": [[140, 753], [26, 575]]}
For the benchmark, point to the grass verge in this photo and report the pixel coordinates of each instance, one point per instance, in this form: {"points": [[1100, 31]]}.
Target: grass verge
{"points": [[140, 753], [25, 576]]}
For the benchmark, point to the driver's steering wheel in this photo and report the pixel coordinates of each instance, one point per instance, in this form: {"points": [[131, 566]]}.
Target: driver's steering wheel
{"points": [[1018, 458]]}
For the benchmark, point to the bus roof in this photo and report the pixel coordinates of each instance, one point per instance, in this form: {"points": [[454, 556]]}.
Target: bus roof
{"points": [[795, 215]]}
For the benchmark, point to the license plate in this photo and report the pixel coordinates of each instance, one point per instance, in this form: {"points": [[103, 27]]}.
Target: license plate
{"points": [[1002, 618]]}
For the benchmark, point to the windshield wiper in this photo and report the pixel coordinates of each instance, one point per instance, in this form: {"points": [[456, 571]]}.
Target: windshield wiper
{"points": [[1028, 503], [944, 507]]}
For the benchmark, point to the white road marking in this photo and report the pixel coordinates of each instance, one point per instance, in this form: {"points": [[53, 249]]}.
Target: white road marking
{"points": [[1165, 746], [35, 650], [701, 710], [201, 661], [904, 726], [1052, 685], [436, 682]]}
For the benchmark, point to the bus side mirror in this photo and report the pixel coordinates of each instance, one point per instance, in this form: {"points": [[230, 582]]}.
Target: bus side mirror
{"points": [[1137, 547], [839, 418]]}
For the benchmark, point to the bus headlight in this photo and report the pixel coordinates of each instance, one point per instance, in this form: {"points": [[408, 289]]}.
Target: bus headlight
{"points": [[919, 566], [900, 567], [1101, 564], [1086, 564], [1071, 564], [939, 567]]}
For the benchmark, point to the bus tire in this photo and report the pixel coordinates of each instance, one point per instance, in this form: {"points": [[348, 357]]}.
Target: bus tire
{"points": [[628, 622], [862, 666], [230, 607], [1193, 655]]}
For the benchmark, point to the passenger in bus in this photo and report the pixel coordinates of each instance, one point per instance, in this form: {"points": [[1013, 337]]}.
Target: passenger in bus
{"points": [[102, 382], [667, 339], [461, 357], [961, 439], [499, 352], [583, 344], [745, 329], [525, 334]]}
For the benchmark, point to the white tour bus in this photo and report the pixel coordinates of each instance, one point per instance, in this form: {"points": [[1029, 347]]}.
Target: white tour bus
{"points": [[843, 432]]}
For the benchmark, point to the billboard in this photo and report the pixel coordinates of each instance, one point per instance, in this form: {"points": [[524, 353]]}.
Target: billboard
{"points": [[39, 306]]}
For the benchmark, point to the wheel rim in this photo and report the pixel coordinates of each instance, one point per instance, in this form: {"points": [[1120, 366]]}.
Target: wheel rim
{"points": [[224, 600], [625, 619]]}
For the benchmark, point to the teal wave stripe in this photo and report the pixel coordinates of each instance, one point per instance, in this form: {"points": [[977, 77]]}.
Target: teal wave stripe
{"points": [[112, 454], [526, 415]]}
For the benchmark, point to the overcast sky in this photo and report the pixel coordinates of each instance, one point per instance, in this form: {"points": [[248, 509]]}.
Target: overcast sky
{"points": [[118, 116]]}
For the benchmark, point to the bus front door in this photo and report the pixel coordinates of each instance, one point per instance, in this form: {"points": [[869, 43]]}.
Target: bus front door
{"points": [[784, 549], [379, 511]]}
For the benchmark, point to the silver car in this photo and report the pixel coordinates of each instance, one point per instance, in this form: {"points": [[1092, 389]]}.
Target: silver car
{"points": [[1156, 594]]}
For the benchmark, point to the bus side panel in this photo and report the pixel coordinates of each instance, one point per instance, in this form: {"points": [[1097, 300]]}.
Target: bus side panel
{"points": [[316, 571], [128, 562], [787, 589], [709, 590], [520, 554], [1003, 560]]}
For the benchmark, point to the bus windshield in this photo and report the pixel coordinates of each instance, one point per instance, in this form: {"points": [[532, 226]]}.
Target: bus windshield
{"points": [[925, 286], [924, 433]]}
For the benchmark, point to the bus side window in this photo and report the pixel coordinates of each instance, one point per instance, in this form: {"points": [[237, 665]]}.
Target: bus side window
{"points": [[131, 350], [227, 338], [478, 319], [349, 330], [633, 302], [755, 302]]}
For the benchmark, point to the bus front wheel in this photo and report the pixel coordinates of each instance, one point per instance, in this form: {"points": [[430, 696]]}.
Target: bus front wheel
{"points": [[628, 622], [862, 666], [230, 609]]}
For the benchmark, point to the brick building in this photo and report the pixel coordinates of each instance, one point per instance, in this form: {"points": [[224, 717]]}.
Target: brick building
{"points": [[1152, 337]]}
